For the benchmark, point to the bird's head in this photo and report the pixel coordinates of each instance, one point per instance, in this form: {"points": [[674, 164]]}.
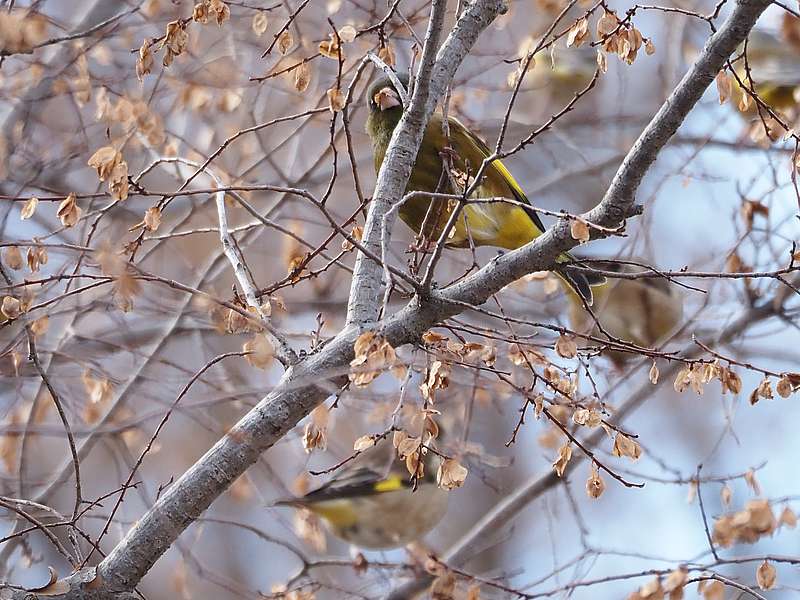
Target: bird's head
{"points": [[383, 98]]}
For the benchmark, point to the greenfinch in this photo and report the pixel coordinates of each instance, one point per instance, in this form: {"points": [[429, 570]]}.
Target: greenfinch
{"points": [[375, 504], [774, 68], [644, 311], [565, 73], [494, 223]]}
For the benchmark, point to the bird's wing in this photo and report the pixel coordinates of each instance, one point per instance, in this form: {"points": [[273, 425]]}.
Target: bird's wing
{"points": [[357, 482], [481, 147]]}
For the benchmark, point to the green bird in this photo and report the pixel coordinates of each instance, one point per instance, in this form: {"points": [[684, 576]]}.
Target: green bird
{"points": [[499, 224], [644, 311], [375, 504], [775, 69]]}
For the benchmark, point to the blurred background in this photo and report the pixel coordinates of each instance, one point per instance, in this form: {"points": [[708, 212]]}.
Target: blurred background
{"points": [[721, 198]]}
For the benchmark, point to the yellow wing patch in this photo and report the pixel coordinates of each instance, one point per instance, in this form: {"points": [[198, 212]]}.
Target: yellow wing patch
{"points": [[390, 484], [508, 177], [339, 513]]}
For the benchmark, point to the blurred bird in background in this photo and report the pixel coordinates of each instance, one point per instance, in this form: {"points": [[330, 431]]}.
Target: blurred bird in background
{"points": [[374, 503], [566, 72], [644, 311], [774, 63], [494, 223], [774, 68]]}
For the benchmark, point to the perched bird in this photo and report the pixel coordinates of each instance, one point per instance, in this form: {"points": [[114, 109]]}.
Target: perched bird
{"points": [[568, 71], [375, 504], [643, 311], [493, 223], [774, 67]]}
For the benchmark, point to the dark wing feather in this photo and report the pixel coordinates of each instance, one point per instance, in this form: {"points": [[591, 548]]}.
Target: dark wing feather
{"points": [[352, 483]]}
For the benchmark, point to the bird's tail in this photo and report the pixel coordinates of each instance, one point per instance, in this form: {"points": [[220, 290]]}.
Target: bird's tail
{"points": [[580, 280]]}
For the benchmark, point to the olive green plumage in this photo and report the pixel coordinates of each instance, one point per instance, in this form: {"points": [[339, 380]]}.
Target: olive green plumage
{"points": [[499, 224], [775, 70], [644, 311]]}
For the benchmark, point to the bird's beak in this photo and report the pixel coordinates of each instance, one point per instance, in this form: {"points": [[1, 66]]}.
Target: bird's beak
{"points": [[387, 98]]}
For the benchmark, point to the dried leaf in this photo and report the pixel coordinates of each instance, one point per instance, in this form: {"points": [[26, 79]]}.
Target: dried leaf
{"points": [[308, 528], [443, 587], [126, 288], [606, 24], [745, 526], [175, 40], [752, 482], [40, 326], [152, 218], [260, 23], [766, 575], [713, 590], [365, 442], [261, 352], [33, 259], [723, 86], [788, 518], [692, 493], [331, 48], [784, 387], [200, 13], [676, 580], [285, 42], [315, 432], [386, 54], [744, 101], [11, 307], [373, 355], [12, 257], [625, 446], [29, 208], [104, 160], [731, 381], [302, 77], [579, 230], [726, 495], [595, 486], [586, 417], [653, 373], [602, 61], [451, 474], [566, 346], [347, 34], [68, 211], [229, 101], [564, 456], [335, 99], [437, 378], [219, 10], [144, 62], [578, 33]]}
